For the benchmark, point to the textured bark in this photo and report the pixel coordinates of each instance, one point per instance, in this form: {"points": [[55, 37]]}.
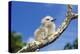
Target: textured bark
{"points": [[51, 38]]}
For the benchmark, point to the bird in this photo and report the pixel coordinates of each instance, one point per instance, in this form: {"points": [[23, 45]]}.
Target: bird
{"points": [[46, 28]]}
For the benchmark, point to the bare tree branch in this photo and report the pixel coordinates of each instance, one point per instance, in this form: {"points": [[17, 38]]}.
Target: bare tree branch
{"points": [[70, 16]]}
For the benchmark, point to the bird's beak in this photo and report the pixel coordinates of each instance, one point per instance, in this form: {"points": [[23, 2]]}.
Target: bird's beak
{"points": [[53, 20]]}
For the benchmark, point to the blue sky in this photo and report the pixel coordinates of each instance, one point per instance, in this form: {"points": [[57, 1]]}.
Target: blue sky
{"points": [[26, 17]]}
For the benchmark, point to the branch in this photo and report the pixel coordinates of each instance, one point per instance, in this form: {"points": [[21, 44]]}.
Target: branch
{"points": [[31, 47]]}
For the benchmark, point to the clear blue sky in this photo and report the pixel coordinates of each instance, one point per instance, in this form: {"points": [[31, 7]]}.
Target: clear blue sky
{"points": [[26, 17]]}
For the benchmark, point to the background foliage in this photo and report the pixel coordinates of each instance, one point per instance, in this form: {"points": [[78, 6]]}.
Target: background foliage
{"points": [[16, 42]]}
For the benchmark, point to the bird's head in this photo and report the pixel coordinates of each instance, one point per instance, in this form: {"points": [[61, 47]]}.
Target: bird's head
{"points": [[47, 20]]}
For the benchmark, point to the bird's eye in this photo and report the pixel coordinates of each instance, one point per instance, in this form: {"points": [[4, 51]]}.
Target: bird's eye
{"points": [[47, 19]]}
